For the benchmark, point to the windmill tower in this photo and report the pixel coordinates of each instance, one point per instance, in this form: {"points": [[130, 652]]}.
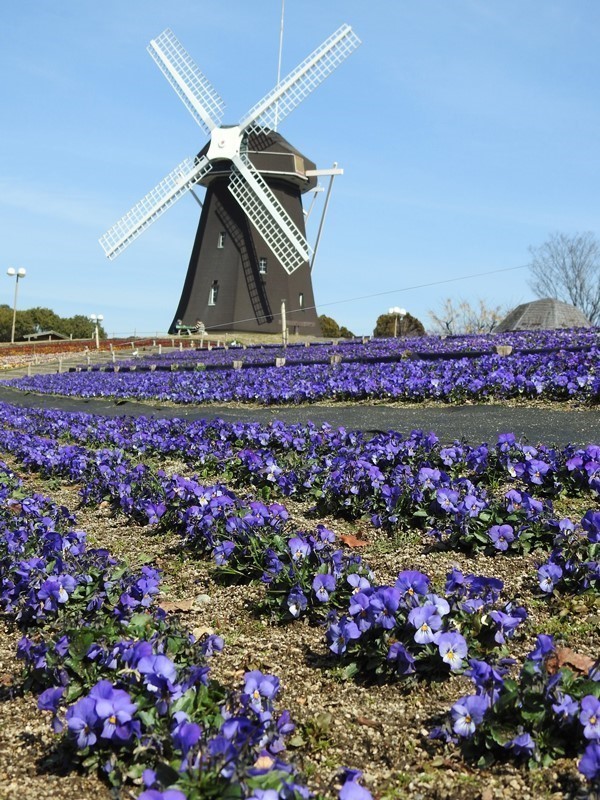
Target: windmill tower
{"points": [[250, 250]]}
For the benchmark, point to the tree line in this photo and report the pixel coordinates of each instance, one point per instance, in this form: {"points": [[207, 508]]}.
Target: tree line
{"points": [[39, 320]]}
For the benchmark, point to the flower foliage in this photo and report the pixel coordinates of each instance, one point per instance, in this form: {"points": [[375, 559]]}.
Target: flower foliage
{"points": [[408, 629], [548, 712], [128, 687]]}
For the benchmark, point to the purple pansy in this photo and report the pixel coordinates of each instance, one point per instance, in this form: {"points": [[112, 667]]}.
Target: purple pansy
{"points": [[589, 717], [501, 536], [548, 575], [453, 649], [589, 764], [323, 585], [467, 713], [426, 621]]}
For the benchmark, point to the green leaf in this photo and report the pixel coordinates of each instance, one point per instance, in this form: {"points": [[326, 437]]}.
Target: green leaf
{"points": [[350, 670], [296, 741]]}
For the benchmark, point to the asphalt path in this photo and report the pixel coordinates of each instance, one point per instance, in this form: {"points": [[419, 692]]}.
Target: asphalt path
{"points": [[473, 423]]}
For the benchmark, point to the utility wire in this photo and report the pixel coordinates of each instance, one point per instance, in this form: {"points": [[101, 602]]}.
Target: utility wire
{"points": [[376, 294]]}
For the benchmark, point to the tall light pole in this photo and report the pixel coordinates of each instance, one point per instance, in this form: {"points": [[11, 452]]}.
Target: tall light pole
{"points": [[96, 319], [17, 273], [399, 314]]}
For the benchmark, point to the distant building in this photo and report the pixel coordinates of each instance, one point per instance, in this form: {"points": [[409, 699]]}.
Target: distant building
{"points": [[544, 314], [45, 336]]}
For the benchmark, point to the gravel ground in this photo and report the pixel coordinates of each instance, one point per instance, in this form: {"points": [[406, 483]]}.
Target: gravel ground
{"points": [[378, 728]]}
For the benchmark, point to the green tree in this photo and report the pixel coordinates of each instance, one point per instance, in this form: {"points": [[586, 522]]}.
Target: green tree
{"points": [[34, 320], [331, 329], [407, 326], [23, 324], [80, 327], [5, 322], [44, 319]]}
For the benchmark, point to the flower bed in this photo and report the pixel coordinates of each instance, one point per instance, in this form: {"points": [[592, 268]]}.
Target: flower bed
{"points": [[560, 376], [494, 500], [127, 687], [371, 349]]}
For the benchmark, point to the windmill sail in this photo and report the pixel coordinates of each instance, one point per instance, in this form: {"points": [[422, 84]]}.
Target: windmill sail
{"points": [[295, 87], [192, 87], [267, 215], [155, 203]]}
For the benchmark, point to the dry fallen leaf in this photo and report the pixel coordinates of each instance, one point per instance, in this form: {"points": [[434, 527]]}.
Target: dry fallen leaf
{"points": [[353, 541], [201, 631], [369, 723], [177, 605], [565, 657]]}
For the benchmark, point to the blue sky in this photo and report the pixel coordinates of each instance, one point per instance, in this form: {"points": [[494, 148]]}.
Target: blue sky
{"points": [[468, 130]]}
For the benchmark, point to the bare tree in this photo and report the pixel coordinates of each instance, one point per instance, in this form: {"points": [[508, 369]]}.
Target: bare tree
{"points": [[461, 317], [568, 269]]}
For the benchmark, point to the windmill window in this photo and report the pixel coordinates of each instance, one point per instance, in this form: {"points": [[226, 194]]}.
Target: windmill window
{"points": [[262, 266], [221, 240], [301, 300], [214, 293]]}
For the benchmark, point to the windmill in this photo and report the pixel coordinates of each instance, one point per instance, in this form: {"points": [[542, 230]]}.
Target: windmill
{"points": [[250, 252]]}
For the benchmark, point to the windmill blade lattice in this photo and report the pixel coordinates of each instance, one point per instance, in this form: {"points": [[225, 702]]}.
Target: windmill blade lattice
{"points": [[193, 88], [155, 203], [295, 87], [267, 215]]}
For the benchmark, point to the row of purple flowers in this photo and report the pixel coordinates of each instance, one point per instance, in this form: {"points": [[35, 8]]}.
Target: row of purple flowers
{"points": [[397, 481], [376, 348], [558, 376]]}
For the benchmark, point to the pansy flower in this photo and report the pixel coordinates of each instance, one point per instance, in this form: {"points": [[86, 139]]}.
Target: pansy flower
{"points": [[548, 575], [453, 649], [501, 536], [299, 548], [589, 764], [589, 717], [411, 583], [323, 585], [467, 713], [426, 621]]}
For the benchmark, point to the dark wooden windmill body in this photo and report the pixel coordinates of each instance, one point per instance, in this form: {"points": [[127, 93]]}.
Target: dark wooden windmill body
{"points": [[250, 251], [235, 281]]}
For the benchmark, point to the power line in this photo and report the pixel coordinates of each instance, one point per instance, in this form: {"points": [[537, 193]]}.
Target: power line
{"points": [[378, 294], [424, 285]]}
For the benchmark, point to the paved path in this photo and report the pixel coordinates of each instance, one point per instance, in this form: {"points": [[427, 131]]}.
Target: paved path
{"points": [[476, 424]]}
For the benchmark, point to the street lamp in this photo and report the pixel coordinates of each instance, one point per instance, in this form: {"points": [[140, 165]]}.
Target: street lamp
{"points": [[96, 319], [399, 314], [18, 273]]}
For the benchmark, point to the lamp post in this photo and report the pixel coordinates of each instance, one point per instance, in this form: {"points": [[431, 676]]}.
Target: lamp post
{"points": [[96, 319], [17, 273], [399, 314]]}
